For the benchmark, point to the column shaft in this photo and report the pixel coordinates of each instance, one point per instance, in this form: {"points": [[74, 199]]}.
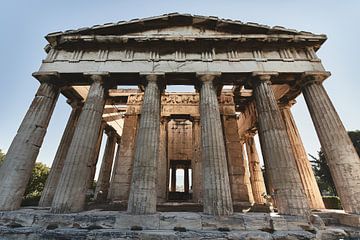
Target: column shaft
{"points": [[217, 194], [302, 162], [73, 185], [162, 179], [340, 153], [103, 182], [256, 176], [173, 179], [186, 180], [196, 164], [19, 161], [95, 157], [238, 174], [58, 163], [288, 191], [121, 176], [142, 198]]}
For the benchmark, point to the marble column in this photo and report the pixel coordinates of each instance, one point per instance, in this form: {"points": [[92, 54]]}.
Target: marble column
{"points": [[288, 192], [142, 197], [238, 175], [71, 191], [196, 164], [340, 153], [121, 176], [20, 159], [302, 162], [217, 194], [58, 163], [103, 182], [186, 179], [256, 175], [95, 156], [173, 179], [163, 169]]}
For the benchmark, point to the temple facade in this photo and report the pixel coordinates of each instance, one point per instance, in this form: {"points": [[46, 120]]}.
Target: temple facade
{"points": [[246, 78]]}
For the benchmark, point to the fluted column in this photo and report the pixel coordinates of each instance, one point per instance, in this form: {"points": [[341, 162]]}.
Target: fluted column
{"points": [[73, 185], [196, 163], [256, 176], [340, 153], [103, 182], [186, 179], [19, 161], [58, 163], [163, 170], [302, 162], [95, 156], [142, 198], [217, 195], [280, 165]]}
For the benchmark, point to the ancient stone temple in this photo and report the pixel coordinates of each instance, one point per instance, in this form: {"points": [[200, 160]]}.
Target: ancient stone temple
{"points": [[245, 79]]}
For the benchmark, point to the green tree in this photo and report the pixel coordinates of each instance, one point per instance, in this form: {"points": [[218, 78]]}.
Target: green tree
{"points": [[36, 184], [2, 156], [322, 170]]}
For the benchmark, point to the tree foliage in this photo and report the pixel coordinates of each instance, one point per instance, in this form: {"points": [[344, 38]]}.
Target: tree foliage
{"points": [[2, 156], [322, 170], [37, 181]]}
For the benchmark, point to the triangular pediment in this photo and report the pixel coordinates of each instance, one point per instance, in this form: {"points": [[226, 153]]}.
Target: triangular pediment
{"points": [[179, 24]]}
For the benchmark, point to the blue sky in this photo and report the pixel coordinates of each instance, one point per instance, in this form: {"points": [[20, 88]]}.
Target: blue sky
{"points": [[23, 25]]}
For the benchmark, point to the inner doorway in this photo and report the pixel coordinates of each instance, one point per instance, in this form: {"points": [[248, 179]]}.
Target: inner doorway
{"points": [[180, 184]]}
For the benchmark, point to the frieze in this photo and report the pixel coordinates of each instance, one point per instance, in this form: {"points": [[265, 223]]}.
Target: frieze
{"points": [[181, 99]]}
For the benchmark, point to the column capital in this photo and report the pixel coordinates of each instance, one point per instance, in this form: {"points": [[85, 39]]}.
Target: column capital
{"points": [[48, 77], [110, 131], [75, 103], [164, 119], [97, 76], [313, 77], [264, 76], [195, 119], [207, 78], [158, 77], [250, 133], [286, 104]]}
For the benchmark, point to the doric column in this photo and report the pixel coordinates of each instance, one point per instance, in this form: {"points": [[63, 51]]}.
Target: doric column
{"points": [[73, 185], [103, 182], [288, 191], [238, 175], [196, 164], [142, 198], [163, 170], [217, 195], [58, 163], [121, 176], [256, 176], [186, 179], [302, 162], [340, 153], [95, 156], [173, 179], [19, 161]]}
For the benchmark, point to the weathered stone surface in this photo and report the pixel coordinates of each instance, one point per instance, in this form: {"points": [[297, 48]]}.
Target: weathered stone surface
{"points": [[217, 194], [189, 221], [341, 156], [121, 176], [59, 159], [103, 182], [142, 197], [19, 161], [238, 168], [256, 175], [287, 188], [196, 164], [331, 234], [302, 162], [149, 221], [73, 184]]}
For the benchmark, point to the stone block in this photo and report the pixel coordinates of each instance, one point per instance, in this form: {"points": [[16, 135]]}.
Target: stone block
{"points": [[126, 221], [256, 221], [234, 222], [188, 220]]}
